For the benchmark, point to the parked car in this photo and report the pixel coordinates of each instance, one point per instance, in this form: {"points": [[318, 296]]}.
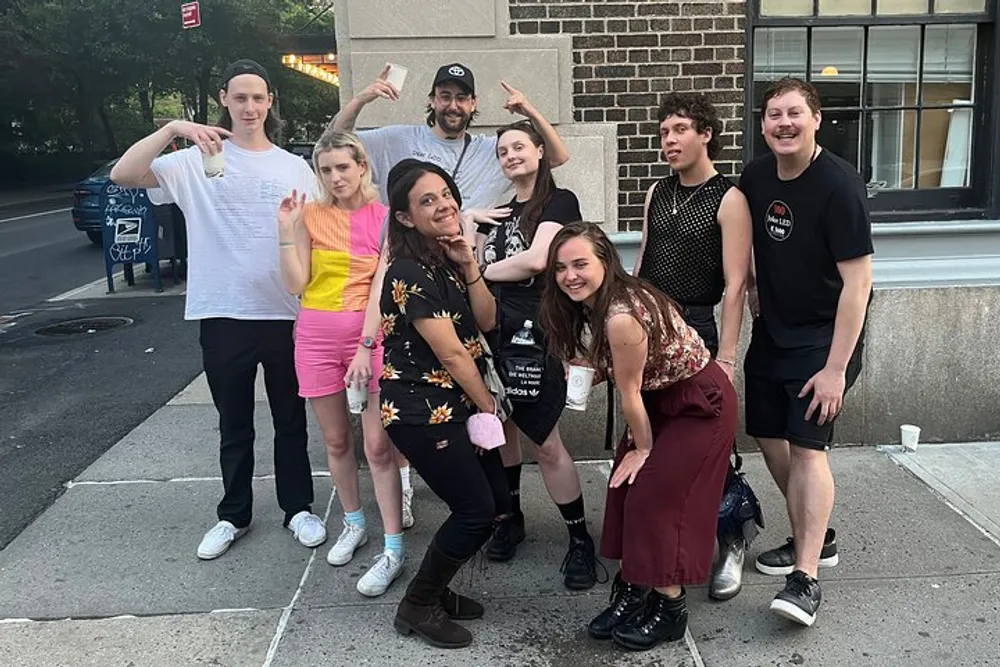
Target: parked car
{"points": [[303, 149], [87, 214]]}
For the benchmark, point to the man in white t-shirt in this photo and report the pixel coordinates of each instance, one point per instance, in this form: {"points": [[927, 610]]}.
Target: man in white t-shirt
{"points": [[235, 288], [471, 159]]}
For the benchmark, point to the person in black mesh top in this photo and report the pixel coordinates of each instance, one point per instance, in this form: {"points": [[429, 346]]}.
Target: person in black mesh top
{"points": [[696, 239]]}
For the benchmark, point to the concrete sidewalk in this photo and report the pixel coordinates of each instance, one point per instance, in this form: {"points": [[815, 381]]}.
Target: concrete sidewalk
{"points": [[108, 575]]}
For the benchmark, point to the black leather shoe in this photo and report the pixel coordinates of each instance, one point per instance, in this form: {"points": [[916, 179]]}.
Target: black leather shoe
{"points": [[780, 561], [509, 532], [662, 619], [626, 601], [799, 600], [580, 565]]}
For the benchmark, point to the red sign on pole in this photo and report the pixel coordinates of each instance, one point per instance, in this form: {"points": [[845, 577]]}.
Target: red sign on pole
{"points": [[190, 15]]}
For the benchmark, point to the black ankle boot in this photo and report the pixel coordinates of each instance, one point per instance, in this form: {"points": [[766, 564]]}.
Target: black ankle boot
{"points": [[421, 609], [662, 619], [626, 601]]}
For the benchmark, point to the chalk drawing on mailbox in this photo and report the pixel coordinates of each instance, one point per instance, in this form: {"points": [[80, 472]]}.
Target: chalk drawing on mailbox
{"points": [[128, 230]]}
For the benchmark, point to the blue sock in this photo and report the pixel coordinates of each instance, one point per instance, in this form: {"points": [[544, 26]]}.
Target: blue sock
{"points": [[394, 543], [356, 518]]}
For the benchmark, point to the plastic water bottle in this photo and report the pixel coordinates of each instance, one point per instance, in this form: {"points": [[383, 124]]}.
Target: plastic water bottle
{"points": [[524, 335]]}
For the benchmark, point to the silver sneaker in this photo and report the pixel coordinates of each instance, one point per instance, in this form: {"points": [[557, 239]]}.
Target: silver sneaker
{"points": [[377, 580], [351, 538], [407, 508], [727, 574]]}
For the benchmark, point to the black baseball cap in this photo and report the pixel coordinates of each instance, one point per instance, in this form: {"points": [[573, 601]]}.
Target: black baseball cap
{"points": [[458, 73], [244, 66]]}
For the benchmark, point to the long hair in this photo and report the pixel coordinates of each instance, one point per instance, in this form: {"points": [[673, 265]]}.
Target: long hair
{"points": [[566, 322], [332, 140], [407, 241], [544, 183]]}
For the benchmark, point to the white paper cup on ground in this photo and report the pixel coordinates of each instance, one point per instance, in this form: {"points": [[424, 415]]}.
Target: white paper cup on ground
{"points": [[910, 435], [215, 165], [357, 398], [578, 385], [397, 76]]}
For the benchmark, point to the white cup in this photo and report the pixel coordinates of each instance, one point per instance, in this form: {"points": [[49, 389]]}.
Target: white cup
{"points": [[214, 165], [581, 379], [397, 76], [910, 435], [357, 398]]}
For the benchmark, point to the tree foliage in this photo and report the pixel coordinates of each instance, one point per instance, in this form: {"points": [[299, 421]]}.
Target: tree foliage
{"points": [[90, 76]]}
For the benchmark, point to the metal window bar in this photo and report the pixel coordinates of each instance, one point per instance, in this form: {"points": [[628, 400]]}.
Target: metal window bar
{"points": [[920, 102]]}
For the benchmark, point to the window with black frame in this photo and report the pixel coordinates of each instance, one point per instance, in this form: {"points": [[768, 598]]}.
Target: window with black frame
{"points": [[903, 87]]}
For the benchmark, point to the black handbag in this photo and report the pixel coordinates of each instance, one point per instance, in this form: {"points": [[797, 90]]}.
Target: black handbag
{"points": [[740, 515]]}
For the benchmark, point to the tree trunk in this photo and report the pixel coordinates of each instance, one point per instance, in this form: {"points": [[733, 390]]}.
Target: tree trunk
{"points": [[203, 82], [109, 133], [146, 103]]}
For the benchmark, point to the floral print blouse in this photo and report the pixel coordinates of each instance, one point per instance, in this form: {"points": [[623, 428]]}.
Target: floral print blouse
{"points": [[416, 388], [680, 357]]}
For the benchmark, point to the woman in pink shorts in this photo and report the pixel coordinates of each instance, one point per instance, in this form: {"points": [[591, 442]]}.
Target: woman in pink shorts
{"points": [[330, 255]]}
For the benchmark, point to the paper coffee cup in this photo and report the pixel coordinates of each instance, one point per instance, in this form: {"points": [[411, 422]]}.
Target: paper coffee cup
{"points": [[397, 76], [357, 398], [215, 165], [910, 435], [581, 379]]}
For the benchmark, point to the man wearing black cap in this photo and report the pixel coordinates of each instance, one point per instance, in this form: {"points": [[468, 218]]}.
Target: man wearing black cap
{"points": [[451, 107], [235, 288]]}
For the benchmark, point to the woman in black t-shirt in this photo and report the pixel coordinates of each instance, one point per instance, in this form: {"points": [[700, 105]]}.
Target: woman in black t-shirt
{"points": [[434, 304], [515, 252]]}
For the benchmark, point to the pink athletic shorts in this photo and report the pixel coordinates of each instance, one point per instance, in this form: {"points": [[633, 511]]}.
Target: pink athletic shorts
{"points": [[325, 345]]}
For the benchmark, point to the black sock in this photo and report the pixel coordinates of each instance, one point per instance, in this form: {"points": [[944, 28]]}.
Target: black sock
{"points": [[514, 485], [576, 521]]}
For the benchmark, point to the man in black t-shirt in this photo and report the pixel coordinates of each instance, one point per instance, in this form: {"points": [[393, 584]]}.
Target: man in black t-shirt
{"points": [[812, 254]]}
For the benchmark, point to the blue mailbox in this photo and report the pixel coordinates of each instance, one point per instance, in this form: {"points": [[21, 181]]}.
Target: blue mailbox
{"points": [[129, 234]]}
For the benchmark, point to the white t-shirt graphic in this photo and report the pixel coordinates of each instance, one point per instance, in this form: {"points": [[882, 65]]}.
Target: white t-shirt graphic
{"points": [[232, 229]]}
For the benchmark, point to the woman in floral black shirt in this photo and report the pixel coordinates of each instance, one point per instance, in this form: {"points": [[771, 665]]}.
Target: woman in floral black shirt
{"points": [[434, 304]]}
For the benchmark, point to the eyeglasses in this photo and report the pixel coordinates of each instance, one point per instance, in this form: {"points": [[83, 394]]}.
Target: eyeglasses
{"points": [[448, 98]]}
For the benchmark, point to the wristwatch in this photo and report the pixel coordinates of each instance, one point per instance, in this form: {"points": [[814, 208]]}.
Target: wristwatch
{"points": [[368, 342]]}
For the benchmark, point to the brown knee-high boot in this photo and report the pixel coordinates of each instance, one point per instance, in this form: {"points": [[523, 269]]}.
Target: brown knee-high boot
{"points": [[421, 610]]}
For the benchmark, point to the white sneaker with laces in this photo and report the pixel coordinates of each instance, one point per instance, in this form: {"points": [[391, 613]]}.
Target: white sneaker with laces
{"points": [[308, 529], [218, 540], [377, 580], [407, 508], [351, 538]]}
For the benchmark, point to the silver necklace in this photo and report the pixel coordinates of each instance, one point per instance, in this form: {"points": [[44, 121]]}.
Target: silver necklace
{"points": [[688, 200]]}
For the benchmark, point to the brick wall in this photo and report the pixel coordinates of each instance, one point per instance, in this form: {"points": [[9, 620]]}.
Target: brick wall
{"points": [[626, 55]]}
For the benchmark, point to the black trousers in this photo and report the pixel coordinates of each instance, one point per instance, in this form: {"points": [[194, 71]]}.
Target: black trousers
{"points": [[473, 485], [231, 351]]}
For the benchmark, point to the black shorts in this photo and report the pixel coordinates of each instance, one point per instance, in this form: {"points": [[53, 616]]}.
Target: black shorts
{"points": [[772, 382]]}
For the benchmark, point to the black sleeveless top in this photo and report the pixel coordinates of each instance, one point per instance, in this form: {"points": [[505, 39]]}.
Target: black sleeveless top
{"points": [[683, 256]]}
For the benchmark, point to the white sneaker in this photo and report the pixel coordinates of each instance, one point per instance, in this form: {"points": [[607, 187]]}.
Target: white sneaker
{"points": [[218, 540], [377, 580], [308, 529], [407, 508], [351, 538]]}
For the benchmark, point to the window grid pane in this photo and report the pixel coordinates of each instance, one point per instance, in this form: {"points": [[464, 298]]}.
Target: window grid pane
{"points": [[879, 114]]}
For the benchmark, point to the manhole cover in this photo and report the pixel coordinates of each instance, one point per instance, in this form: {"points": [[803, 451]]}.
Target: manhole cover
{"points": [[84, 325]]}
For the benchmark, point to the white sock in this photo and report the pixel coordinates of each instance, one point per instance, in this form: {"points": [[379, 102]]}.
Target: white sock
{"points": [[404, 476]]}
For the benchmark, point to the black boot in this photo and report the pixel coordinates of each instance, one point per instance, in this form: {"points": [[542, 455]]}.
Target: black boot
{"points": [[662, 619], [626, 601], [460, 608], [421, 610]]}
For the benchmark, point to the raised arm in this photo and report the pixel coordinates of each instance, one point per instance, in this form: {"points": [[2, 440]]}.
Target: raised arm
{"points": [[555, 150], [484, 306], [629, 347], [348, 116], [133, 169], [294, 245], [737, 239]]}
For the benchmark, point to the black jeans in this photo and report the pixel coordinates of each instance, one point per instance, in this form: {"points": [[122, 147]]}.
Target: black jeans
{"points": [[231, 350], [473, 486]]}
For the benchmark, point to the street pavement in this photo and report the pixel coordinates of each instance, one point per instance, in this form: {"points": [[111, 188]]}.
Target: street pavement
{"points": [[108, 574]]}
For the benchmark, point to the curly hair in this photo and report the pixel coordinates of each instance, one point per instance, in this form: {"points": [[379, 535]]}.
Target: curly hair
{"points": [[700, 111]]}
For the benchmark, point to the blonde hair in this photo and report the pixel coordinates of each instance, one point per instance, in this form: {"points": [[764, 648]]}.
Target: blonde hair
{"points": [[331, 140]]}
